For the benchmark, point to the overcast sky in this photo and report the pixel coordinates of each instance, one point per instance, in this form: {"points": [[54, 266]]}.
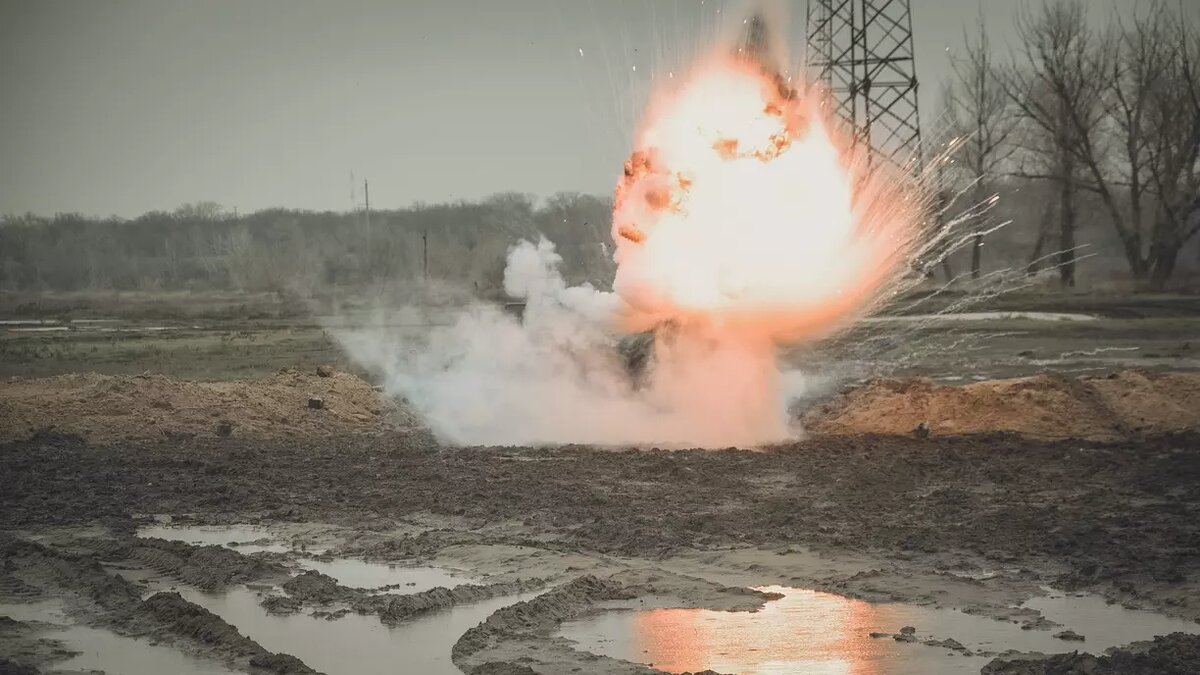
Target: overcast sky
{"points": [[124, 106]]}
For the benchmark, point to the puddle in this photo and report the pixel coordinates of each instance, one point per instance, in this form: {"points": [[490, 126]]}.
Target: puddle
{"points": [[353, 644], [1104, 624], [100, 650], [362, 574], [234, 536], [347, 571], [823, 633]]}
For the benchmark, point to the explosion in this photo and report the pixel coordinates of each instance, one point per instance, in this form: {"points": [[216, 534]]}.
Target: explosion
{"points": [[738, 209], [741, 225]]}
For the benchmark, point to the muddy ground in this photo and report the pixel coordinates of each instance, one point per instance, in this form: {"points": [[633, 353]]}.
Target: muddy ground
{"points": [[885, 517], [939, 492], [233, 337]]}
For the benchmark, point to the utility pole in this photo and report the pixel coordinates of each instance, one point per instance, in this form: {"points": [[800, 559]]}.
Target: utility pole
{"points": [[862, 51], [425, 254], [367, 197]]}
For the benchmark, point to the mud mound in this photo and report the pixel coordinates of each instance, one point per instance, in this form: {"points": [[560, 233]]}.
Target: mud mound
{"points": [[209, 568], [1174, 654], [393, 609], [103, 408], [284, 664], [1044, 406], [539, 615], [168, 615], [314, 588], [192, 621]]}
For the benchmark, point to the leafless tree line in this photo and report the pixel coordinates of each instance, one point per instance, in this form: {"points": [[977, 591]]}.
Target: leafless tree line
{"points": [[201, 246], [1111, 113]]}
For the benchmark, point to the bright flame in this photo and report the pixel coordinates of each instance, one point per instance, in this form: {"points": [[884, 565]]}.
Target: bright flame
{"points": [[738, 209], [741, 224]]}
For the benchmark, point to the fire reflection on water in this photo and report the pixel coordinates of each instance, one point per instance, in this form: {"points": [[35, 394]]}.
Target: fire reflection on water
{"points": [[804, 632], [823, 634]]}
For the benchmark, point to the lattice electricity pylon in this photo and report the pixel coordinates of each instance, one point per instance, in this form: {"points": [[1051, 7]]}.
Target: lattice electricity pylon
{"points": [[862, 52]]}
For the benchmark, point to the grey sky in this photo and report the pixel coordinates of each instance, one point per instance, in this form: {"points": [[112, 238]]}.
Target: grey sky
{"points": [[123, 106]]}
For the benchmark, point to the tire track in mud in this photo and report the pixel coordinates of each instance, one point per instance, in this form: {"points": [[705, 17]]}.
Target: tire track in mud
{"points": [[533, 618], [314, 589], [94, 597]]}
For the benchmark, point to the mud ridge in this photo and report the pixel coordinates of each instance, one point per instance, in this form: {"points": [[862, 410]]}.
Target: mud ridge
{"points": [[109, 601], [209, 568], [314, 588], [1174, 654], [537, 616]]}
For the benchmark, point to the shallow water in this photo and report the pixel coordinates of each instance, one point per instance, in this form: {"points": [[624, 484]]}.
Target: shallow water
{"points": [[823, 633], [1105, 625], [105, 651], [234, 536], [362, 574], [348, 571], [354, 644]]}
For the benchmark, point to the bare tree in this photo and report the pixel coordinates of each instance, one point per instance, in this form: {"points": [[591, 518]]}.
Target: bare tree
{"points": [[981, 113], [1162, 51], [1057, 89], [1123, 113], [1153, 110]]}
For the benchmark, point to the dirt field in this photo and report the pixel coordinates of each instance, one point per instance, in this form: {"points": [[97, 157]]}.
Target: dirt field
{"points": [[229, 337], [909, 493]]}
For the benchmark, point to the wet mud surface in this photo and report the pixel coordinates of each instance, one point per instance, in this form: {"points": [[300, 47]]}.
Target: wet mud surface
{"points": [[1120, 513], [975, 522]]}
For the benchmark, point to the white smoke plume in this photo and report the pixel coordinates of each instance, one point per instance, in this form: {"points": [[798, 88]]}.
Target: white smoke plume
{"points": [[742, 222], [556, 376]]}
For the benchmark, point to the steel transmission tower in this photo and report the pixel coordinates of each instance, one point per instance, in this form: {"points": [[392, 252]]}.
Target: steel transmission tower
{"points": [[862, 52]]}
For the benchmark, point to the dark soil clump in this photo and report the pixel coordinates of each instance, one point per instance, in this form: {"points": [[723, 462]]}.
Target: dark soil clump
{"points": [[1174, 654]]}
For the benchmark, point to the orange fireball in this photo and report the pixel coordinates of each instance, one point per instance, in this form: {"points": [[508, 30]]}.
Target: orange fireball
{"points": [[738, 209]]}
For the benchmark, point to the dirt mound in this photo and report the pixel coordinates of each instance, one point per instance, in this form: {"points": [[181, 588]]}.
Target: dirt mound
{"points": [[1044, 406], [103, 408], [314, 587]]}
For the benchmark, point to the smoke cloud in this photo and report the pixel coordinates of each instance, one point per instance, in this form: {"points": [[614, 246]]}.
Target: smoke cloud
{"points": [[556, 375], [740, 225]]}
